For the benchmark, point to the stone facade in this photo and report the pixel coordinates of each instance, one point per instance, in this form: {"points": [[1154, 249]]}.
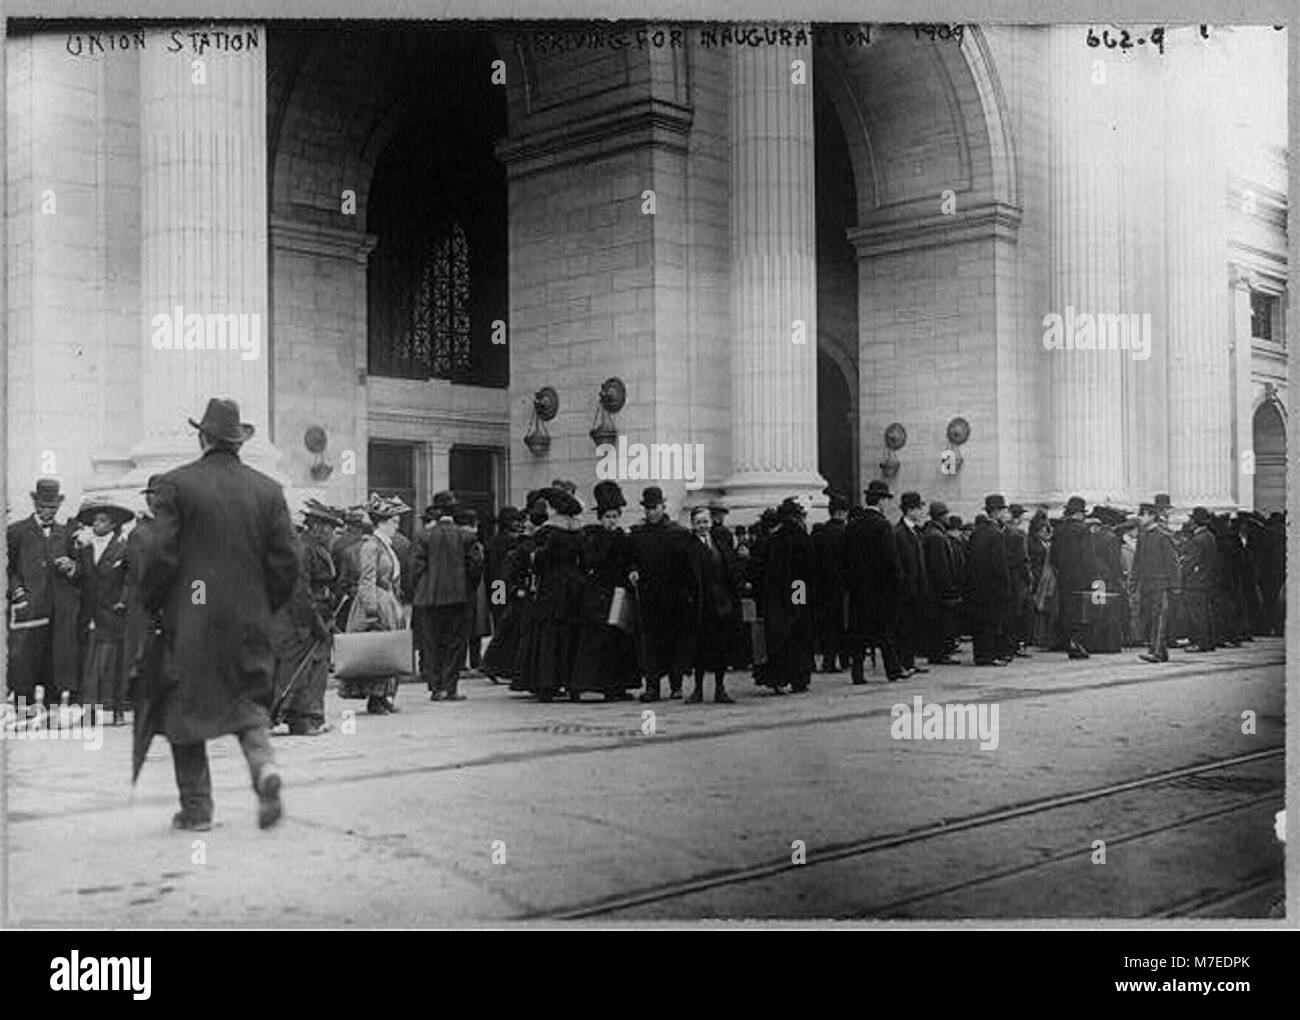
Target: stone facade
{"points": [[972, 180]]}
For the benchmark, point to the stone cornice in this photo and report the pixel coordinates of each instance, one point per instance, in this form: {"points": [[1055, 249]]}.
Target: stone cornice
{"points": [[984, 222], [644, 122], [314, 239]]}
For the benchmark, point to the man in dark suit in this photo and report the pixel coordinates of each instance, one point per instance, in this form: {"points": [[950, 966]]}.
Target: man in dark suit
{"points": [[445, 556], [1200, 571], [1072, 560], [872, 569], [43, 601], [944, 577], [222, 563], [829, 592], [1020, 608], [718, 529], [1155, 577], [988, 584], [101, 574], [716, 576], [914, 585], [667, 596]]}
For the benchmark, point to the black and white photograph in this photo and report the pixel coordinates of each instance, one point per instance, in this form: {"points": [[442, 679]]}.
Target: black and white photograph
{"points": [[555, 473]]}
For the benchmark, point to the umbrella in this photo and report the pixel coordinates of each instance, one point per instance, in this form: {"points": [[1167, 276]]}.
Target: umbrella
{"points": [[149, 699]]}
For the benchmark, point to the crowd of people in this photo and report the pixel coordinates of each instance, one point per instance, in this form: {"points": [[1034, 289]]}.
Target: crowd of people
{"points": [[578, 607]]}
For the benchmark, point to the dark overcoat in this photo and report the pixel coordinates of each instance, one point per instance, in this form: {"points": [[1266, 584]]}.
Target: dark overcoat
{"points": [[988, 580], [667, 596], [830, 590], [102, 587], [872, 569], [788, 559], [226, 525], [49, 595], [137, 621]]}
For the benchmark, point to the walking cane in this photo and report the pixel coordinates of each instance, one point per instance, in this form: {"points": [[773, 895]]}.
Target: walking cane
{"points": [[279, 701]]}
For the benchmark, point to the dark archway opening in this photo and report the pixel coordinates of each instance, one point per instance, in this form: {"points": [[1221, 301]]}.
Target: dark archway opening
{"points": [[837, 301], [437, 280], [1269, 445]]}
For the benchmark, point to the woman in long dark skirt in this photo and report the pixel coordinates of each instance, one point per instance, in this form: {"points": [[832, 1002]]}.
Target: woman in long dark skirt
{"points": [[1109, 600], [501, 660], [606, 659], [550, 638], [788, 559]]}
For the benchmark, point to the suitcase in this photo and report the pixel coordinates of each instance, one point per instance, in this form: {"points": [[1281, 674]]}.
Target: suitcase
{"points": [[373, 654]]}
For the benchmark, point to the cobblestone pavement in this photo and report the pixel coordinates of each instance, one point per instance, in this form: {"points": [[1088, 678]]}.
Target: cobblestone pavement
{"points": [[499, 808]]}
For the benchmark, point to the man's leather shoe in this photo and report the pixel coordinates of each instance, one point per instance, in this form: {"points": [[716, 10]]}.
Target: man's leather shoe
{"points": [[190, 823], [696, 696], [721, 697], [1148, 657], [268, 798]]}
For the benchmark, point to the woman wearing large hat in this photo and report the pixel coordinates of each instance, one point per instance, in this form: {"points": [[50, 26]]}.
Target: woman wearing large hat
{"points": [[550, 640], [606, 659], [376, 606], [101, 574]]}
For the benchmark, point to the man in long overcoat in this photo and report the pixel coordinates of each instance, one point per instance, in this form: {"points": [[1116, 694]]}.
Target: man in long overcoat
{"points": [[1072, 560], [43, 600], [914, 584], [830, 592], [667, 596], [1019, 625], [988, 584], [445, 559], [222, 563], [942, 570], [872, 569], [788, 565], [1200, 573], [1156, 577]]}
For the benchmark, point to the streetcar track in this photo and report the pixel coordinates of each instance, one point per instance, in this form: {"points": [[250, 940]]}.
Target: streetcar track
{"points": [[887, 910], [1258, 881], [660, 737], [874, 844]]}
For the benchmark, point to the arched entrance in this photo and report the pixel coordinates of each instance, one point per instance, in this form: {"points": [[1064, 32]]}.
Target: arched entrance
{"points": [[1269, 444], [837, 427]]}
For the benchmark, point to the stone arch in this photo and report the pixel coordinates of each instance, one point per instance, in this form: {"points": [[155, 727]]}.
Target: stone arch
{"points": [[1268, 441], [334, 102], [948, 114]]}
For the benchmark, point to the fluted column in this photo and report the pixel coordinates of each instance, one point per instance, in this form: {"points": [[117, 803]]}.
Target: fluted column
{"points": [[1085, 195], [773, 280], [203, 240], [1195, 164]]}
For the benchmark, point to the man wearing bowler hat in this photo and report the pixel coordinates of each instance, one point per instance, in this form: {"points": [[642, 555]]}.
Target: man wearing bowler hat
{"points": [[1072, 560], [1156, 576], [1200, 574], [872, 570], [944, 592], [988, 584], [667, 596], [222, 563], [445, 559], [829, 592], [914, 586], [42, 601]]}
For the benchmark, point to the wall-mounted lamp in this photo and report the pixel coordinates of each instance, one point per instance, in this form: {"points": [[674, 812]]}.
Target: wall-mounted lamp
{"points": [[546, 404], [950, 461], [609, 401], [895, 440], [315, 440]]}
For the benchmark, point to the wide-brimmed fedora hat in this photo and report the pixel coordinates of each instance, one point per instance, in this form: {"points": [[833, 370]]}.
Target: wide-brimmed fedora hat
{"points": [[221, 421], [90, 508], [47, 492]]}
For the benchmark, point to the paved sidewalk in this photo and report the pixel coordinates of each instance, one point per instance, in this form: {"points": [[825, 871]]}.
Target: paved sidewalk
{"points": [[500, 808]]}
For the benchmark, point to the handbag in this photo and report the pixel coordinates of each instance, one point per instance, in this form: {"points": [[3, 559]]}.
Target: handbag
{"points": [[372, 653], [622, 611]]}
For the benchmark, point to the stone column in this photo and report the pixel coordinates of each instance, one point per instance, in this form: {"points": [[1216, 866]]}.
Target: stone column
{"points": [[1243, 423], [773, 281], [1085, 189], [203, 242], [1195, 170]]}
